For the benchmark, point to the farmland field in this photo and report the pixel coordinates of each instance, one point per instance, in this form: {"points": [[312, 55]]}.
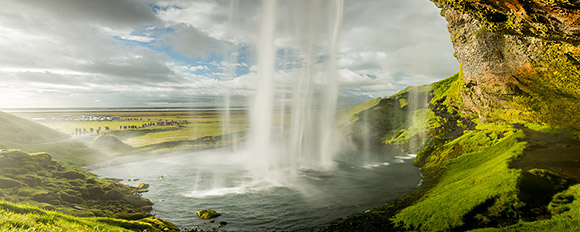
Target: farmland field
{"points": [[150, 130]]}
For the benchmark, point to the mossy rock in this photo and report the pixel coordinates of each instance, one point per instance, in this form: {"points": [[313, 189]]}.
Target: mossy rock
{"points": [[131, 216], [44, 159], [72, 174], [71, 198], [161, 224], [94, 192], [50, 198], [143, 186], [113, 195], [76, 182], [207, 214], [31, 180], [138, 202], [12, 158], [10, 183], [26, 191]]}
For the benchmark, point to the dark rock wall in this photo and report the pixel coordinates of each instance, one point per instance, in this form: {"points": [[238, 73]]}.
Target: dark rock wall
{"points": [[520, 59]]}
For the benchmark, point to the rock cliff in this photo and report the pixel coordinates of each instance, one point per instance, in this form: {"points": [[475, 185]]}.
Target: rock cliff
{"points": [[520, 59]]}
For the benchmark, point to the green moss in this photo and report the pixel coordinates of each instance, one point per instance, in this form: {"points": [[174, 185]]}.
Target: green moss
{"points": [[538, 226], [481, 30], [349, 115], [19, 217], [10, 183], [207, 214], [448, 92], [160, 224], [473, 180], [49, 184], [19, 130], [566, 205], [403, 102]]}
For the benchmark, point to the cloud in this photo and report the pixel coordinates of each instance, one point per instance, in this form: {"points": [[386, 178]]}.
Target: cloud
{"points": [[175, 52], [115, 13], [190, 41]]}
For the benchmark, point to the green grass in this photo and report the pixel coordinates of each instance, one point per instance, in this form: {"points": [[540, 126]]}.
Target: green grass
{"points": [[538, 226], [19, 217], [18, 130], [158, 138], [470, 141], [19, 133], [474, 180], [351, 114], [447, 92], [182, 133], [71, 152], [41, 181], [566, 205], [565, 210]]}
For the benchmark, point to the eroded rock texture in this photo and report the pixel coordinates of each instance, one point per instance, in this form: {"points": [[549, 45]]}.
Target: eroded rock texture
{"points": [[520, 58]]}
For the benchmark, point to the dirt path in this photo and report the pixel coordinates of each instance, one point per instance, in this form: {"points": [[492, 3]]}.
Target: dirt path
{"points": [[559, 153]]}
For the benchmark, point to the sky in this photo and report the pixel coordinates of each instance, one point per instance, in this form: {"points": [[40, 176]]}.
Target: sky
{"points": [[175, 53]]}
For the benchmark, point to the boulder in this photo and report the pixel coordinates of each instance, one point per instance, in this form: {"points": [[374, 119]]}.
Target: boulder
{"points": [[208, 214]]}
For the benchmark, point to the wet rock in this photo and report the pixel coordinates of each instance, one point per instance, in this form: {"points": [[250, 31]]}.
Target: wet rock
{"points": [[207, 214], [142, 187]]}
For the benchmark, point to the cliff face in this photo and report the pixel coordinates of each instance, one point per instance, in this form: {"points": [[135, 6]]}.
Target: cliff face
{"points": [[520, 59]]}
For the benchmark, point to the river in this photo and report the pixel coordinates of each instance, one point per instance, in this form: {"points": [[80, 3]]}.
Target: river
{"points": [[183, 183]]}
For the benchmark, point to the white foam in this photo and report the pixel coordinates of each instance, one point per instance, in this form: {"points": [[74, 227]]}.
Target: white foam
{"points": [[376, 165], [216, 192], [408, 156]]}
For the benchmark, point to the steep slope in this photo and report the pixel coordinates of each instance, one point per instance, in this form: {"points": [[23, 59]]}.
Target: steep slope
{"points": [[19, 133], [470, 181], [18, 130], [520, 86]]}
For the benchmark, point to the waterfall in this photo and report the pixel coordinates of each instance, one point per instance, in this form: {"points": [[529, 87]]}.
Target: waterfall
{"points": [[418, 103], [230, 57], [292, 115]]}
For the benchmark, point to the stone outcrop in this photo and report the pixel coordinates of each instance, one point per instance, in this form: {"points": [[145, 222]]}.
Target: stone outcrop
{"points": [[38, 179], [520, 59], [207, 214]]}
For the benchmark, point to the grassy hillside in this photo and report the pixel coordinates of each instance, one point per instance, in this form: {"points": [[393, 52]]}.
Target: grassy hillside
{"points": [[18, 130], [37, 180], [20, 217], [155, 132], [470, 178], [19, 133]]}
